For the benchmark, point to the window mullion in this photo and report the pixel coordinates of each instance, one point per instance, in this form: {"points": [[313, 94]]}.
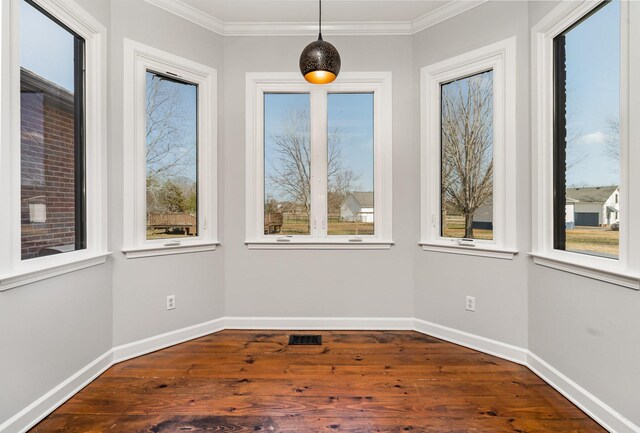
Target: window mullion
{"points": [[318, 120]]}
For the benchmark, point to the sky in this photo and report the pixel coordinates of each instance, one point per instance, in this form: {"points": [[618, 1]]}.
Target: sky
{"points": [[350, 115], [593, 71], [182, 99], [593, 96], [46, 48]]}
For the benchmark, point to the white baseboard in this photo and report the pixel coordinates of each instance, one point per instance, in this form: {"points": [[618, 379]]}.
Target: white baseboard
{"points": [[321, 323], [157, 342], [587, 402], [591, 405], [36, 411], [603, 414], [482, 344]]}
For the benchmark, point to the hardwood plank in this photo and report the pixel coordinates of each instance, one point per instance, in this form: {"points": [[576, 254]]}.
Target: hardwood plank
{"points": [[360, 381]]}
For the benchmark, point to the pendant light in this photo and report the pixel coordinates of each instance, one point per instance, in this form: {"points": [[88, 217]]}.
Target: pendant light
{"points": [[320, 61]]}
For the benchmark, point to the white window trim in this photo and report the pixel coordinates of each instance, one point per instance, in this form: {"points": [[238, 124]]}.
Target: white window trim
{"points": [[259, 83], [138, 58], [626, 270], [499, 57], [14, 271]]}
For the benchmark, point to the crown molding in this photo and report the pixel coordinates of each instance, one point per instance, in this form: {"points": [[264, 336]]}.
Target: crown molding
{"points": [[189, 13], [343, 28], [443, 13], [388, 28]]}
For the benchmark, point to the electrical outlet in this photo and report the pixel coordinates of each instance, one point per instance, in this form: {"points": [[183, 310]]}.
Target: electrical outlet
{"points": [[470, 304], [171, 302]]}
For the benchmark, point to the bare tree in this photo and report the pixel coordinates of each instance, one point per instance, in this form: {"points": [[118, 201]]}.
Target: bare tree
{"points": [[168, 154], [467, 146], [613, 139], [574, 155], [291, 164]]}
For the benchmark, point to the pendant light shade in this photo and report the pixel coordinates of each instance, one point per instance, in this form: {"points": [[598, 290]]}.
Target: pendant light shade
{"points": [[320, 61]]}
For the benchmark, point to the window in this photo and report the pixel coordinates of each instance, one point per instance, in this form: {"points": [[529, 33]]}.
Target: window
{"points": [[466, 157], [582, 183], [54, 162], [318, 162], [587, 133], [468, 153], [287, 163], [170, 154], [52, 136], [171, 157]]}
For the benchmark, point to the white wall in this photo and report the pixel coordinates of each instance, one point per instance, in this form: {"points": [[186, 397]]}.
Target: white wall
{"points": [[319, 283], [443, 280], [51, 329], [140, 286]]}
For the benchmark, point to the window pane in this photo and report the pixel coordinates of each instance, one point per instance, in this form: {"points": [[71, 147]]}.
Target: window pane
{"points": [[172, 157], [350, 164], [287, 164], [588, 134], [467, 157], [51, 126]]}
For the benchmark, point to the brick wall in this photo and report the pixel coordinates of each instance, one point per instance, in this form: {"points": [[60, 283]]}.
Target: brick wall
{"points": [[47, 165]]}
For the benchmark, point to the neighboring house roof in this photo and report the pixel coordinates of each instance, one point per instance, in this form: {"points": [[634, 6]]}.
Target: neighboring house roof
{"points": [[591, 194], [364, 198], [34, 83]]}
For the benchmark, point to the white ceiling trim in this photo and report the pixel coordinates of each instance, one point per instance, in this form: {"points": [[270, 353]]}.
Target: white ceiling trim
{"points": [[443, 13], [183, 10], [387, 28]]}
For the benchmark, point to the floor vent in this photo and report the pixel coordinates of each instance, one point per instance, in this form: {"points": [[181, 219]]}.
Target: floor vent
{"points": [[305, 340]]}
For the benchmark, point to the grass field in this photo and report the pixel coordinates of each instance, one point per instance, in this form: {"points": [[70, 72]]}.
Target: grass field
{"points": [[594, 240], [454, 228], [160, 234], [589, 240], [300, 226]]}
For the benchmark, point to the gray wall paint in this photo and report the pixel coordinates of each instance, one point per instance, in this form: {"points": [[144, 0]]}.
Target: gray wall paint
{"points": [[51, 329], [320, 283], [587, 329], [140, 286], [443, 280]]}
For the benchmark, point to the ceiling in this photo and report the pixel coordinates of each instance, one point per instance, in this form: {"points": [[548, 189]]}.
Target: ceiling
{"points": [[292, 11], [294, 17]]}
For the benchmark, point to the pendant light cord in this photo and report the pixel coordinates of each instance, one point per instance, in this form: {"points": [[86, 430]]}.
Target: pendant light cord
{"points": [[320, 20]]}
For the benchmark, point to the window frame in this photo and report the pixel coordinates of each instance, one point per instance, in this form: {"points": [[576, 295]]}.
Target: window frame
{"points": [[626, 270], [138, 59], [14, 271], [378, 83], [500, 58]]}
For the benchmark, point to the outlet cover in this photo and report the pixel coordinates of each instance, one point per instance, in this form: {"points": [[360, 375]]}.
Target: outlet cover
{"points": [[171, 302], [470, 304]]}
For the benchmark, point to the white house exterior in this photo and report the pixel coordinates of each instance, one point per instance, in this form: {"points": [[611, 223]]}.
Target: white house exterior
{"points": [[357, 206], [594, 206], [570, 212]]}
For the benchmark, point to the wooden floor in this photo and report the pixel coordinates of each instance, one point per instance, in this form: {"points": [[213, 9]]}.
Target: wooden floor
{"points": [[362, 381]]}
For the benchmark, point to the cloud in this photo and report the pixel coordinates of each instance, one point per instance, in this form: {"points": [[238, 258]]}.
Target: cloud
{"points": [[597, 137]]}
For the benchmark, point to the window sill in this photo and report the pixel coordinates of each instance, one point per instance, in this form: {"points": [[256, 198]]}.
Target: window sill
{"points": [[476, 250], [12, 281], [624, 279], [165, 250], [300, 244]]}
